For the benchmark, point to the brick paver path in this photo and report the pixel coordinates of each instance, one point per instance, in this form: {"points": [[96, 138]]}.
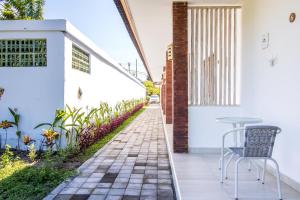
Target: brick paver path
{"points": [[135, 166]]}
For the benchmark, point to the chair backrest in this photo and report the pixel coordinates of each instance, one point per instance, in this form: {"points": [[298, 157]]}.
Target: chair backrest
{"points": [[259, 140]]}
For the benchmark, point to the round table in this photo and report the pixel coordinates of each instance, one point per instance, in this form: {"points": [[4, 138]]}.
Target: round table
{"points": [[239, 122]]}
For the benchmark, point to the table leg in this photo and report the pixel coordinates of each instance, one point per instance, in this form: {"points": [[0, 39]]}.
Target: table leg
{"points": [[242, 137], [235, 135]]}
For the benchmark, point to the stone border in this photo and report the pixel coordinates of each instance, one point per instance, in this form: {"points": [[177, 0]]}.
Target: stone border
{"points": [[174, 175]]}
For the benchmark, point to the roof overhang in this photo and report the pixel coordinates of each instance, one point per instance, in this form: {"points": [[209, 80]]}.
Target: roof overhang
{"points": [[125, 13], [149, 24]]}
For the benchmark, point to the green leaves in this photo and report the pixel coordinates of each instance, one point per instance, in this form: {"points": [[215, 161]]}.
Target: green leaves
{"points": [[151, 89], [43, 124], [22, 10]]}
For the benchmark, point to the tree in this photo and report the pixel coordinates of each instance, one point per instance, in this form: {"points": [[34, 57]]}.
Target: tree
{"points": [[151, 89], [22, 9]]}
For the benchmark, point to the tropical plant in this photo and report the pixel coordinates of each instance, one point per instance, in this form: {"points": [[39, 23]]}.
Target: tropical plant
{"points": [[57, 122], [50, 137], [7, 156], [16, 122], [5, 125], [22, 9], [27, 140], [32, 152]]}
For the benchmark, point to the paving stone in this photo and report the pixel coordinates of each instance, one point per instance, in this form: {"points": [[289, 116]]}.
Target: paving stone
{"points": [[149, 192], [136, 186], [119, 185], [148, 198], [97, 197], [107, 180], [75, 184], [69, 191], [136, 180], [97, 175], [79, 180], [127, 197], [88, 185], [104, 185], [164, 187], [63, 197], [93, 180], [80, 197], [102, 191], [122, 180], [164, 181], [84, 191], [165, 195], [135, 166], [132, 192], [113, 197], [150, 180], [116, 192], [149, 187]]}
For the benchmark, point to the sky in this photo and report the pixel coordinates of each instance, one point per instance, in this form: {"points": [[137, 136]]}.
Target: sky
{"points": [[101, 22]]}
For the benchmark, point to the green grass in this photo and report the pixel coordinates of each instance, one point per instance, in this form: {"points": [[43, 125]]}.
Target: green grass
{"points": [[22, 181], [31, 182]]}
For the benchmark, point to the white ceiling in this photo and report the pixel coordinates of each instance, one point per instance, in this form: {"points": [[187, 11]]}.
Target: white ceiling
{"points": [[153, 23]]}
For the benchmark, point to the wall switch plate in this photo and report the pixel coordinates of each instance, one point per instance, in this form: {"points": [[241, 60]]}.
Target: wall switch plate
{"points": [[265, 41]]}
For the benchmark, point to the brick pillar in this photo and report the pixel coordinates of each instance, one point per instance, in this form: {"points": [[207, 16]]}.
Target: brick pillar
{"points": [[162, 92], [169, 88], [180, 76], [163, 103]]}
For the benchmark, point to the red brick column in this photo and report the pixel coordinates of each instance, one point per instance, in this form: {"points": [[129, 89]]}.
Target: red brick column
{"points": [[163, 102], [169, 90], [180, 76]]}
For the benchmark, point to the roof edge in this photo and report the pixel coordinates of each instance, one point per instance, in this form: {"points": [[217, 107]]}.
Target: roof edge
{"points": [[128, 21]]}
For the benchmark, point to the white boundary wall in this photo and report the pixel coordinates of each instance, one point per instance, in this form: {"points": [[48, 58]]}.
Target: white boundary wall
{"points": [[38, 91]]}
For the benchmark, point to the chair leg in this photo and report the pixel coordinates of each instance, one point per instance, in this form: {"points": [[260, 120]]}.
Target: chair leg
{"points": [[249, 166], [257, 172], [278, 179], [226, 154], [264, 171], [227, 165], [236, 195], [222, 168]]}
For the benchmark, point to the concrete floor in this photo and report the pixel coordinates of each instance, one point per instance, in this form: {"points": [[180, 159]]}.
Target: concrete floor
{"points": [[197, 178]]}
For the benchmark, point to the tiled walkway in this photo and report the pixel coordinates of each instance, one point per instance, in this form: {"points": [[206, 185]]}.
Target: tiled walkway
{"points": [[134, 166]]}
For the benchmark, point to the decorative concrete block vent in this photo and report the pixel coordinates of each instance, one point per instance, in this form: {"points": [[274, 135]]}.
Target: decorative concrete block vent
{"points": [[45, 65]]}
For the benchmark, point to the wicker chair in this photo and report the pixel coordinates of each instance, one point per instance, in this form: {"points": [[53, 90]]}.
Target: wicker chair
{"points": [[259, 142]]}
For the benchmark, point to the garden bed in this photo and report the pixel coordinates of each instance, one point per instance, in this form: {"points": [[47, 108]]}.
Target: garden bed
{"points": [[23, 180]]}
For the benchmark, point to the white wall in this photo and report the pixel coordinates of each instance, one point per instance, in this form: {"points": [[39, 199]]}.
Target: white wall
{"points": [[273, 92], [35, 91], [38, 91], [204, 131], [268, 92], [103, 83]]}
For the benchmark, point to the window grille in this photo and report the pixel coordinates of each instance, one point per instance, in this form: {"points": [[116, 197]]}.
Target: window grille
{"points": [[80, 59], [214, 43], [23, 53]]}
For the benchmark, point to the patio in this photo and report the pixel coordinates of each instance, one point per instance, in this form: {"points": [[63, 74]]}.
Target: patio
{"points": [[201, 180]]}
